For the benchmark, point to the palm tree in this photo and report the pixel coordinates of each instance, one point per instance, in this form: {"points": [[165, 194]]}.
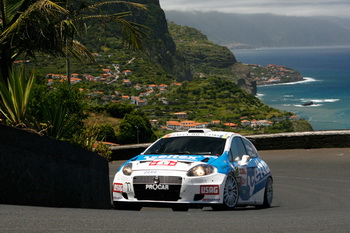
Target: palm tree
{"points": [[30, 26]]}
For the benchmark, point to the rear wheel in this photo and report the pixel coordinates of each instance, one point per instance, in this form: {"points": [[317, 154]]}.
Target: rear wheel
{"points": [[268, 194], [230, 195]]}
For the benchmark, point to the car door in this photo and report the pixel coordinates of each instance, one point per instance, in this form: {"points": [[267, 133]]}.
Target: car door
{"points": [[257, 170], [237, 152]]}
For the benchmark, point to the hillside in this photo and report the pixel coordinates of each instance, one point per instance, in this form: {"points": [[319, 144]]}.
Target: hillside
{"points": [[203, 56], [178, 70], [264, 30]]}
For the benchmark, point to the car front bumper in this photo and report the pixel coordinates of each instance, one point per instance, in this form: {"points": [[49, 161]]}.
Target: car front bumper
{"points": [[168, 187]]}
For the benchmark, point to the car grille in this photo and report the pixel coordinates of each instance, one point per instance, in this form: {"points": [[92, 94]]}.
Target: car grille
{"points": [[157, 188]]}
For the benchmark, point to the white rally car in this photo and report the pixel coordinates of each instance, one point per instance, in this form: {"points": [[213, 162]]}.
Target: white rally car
{"points": [[196, 168]]}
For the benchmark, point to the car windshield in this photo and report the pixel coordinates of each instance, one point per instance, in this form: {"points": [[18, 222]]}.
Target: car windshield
{"points": [[188, 145]]}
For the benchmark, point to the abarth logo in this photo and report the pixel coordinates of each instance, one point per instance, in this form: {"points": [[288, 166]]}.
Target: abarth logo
{"points": [[163, 163]]}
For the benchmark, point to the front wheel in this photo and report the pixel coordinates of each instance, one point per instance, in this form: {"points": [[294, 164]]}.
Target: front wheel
{"points": [[230, 196]]}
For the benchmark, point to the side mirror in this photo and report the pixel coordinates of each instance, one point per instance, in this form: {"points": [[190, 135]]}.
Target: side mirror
{"points": [[245, 160]]}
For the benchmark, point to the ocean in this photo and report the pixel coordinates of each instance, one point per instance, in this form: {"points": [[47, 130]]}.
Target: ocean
{"points": [[327, 83]]}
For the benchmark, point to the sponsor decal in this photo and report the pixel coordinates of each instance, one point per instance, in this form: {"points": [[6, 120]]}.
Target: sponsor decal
{"points": [[210, 200], [187, 157], [255, 177], [117, 187], [163, 163], [261, 172], [210, 189], [157, 187], [150, 172], [243, 171]]}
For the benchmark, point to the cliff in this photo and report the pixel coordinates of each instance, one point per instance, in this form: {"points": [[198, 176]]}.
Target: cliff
{"points": [[208, 59]]}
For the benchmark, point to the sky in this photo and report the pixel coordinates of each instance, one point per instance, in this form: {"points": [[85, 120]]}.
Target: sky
{"points": [[307, 8]]}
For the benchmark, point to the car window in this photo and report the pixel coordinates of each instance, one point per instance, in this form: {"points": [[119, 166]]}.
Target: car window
{"points": [[188, 145], [237, 149], [251, 150]]}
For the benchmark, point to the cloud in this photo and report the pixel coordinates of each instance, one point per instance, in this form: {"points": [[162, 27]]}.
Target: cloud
{"points": [[336, 8]]}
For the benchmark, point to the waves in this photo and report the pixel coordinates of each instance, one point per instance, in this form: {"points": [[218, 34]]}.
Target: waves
{"points": [[290, 100], [328, 89], [305, 80], [315, 102]]}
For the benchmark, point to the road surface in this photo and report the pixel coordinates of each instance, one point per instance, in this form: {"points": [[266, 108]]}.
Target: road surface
{"points": [[311, 194]]}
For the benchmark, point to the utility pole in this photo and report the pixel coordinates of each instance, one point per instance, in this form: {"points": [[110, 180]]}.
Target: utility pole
{"points": [[137, 134]]}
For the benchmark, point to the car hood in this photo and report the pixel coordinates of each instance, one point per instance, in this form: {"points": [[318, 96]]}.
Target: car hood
{"points": [[169, 162]]}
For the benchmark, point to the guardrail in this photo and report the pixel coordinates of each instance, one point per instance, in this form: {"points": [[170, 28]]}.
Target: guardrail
{"points": [[295, 140]]}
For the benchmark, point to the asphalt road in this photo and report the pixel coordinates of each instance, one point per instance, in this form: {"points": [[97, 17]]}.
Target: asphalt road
{"points": [[311, 194]]}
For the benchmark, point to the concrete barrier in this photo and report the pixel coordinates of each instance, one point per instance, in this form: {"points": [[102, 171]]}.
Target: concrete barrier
{"points": [[41, 171], [295, 140]]}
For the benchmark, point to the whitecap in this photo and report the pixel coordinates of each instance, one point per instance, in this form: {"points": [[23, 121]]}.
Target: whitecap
{"points": [[325, 100], [307, 106], [305, 80]]}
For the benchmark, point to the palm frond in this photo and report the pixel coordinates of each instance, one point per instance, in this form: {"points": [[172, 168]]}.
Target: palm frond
{"points": [[46, 7], [79, 52], [97, 5]]}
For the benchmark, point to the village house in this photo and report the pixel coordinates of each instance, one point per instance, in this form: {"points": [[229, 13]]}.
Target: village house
{"points": [[185, 125], [127, 72], [231, 125], [180, 114], [125, 97], [152, 87], [163, 86], [245, 123], [127, 82], [175, 125], [216, 122], [154, 122]]}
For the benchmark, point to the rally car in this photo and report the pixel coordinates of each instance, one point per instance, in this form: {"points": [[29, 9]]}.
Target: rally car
{"points": [[195, 168]]}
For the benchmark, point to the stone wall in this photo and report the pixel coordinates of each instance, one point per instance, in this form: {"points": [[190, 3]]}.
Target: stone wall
{"points": [[40, 171], [302, 140]]}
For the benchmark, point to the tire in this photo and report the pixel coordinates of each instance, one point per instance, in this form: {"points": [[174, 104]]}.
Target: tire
{"points": [[230, 195], [268, 194], [126, 206]]}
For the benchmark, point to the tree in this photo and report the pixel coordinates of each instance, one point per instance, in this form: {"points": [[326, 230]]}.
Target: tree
{"points": [[135, 128], [30, 26], [58, 112]]}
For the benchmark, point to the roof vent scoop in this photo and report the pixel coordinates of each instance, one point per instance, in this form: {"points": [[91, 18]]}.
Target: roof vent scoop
{"points": [[199, 131]]}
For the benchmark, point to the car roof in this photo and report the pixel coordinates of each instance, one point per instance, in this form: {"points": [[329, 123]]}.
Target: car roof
{"points": [[203, 133]]}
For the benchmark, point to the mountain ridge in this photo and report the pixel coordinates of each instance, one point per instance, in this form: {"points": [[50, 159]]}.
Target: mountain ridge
{"points": [[264, 30]]}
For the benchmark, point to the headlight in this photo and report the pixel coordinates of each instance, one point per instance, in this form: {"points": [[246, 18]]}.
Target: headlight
{"points": [[127, 169], [201, 170]]}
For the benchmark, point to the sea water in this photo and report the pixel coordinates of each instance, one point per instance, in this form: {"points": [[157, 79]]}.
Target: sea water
{"points": [[327, 83]]}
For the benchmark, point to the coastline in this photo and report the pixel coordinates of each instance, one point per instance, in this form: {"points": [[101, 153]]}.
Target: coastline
{"points": [[305, 80]]}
